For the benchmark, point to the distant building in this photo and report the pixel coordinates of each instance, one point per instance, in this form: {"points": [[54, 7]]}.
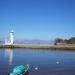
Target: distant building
{"points": [[11, 38]]}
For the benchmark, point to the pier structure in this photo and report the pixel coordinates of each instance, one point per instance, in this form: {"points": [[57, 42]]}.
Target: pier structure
{"points": [[10, 44], [41, 46]]}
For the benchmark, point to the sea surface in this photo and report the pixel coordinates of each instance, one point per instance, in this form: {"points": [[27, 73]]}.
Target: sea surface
{"points": [[42, 62]]}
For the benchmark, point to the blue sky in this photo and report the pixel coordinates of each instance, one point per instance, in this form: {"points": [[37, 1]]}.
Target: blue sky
{"points": [[37, 19]]}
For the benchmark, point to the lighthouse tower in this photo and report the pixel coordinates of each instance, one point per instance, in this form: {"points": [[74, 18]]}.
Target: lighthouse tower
{"points": [[11, 37]]}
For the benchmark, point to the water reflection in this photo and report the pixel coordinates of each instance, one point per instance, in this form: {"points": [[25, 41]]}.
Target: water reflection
{"points": [[27, 73], [9, 55], [43, 62]]}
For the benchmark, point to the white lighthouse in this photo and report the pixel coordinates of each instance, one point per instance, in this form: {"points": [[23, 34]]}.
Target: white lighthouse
{"points": [[11, 37]]}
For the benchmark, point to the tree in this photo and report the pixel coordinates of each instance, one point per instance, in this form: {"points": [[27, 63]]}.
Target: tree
{"points": [[65, 41], [58, 40], [72, 40]]}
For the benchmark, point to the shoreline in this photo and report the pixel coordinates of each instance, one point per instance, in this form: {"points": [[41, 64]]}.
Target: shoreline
{"points": [[40, 46]]}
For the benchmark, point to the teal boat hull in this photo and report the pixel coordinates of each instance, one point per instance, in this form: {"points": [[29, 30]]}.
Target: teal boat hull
{"points": [[20, 70]]}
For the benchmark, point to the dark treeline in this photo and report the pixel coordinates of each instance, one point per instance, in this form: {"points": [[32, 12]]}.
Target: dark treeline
{"points": [[65, 41]]}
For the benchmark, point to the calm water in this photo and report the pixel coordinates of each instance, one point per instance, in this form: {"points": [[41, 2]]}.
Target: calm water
{"points": [[48, 62]]}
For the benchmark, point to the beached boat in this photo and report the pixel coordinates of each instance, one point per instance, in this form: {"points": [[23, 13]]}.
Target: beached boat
{"points": [[20, 70]]}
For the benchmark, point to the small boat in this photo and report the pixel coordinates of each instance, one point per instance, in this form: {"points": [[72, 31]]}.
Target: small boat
{"points": [[20, 70]]}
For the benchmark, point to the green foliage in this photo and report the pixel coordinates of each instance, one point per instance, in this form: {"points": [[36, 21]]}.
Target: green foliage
{"points": [[66, 41], [72, 40], [58, 40]]}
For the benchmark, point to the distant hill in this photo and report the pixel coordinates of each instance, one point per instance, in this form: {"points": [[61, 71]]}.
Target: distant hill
{"points": [[1, 42], [34, 42]]}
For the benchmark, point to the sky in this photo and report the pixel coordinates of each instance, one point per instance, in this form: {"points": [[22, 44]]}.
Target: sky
{"points": [[37, 19]]}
